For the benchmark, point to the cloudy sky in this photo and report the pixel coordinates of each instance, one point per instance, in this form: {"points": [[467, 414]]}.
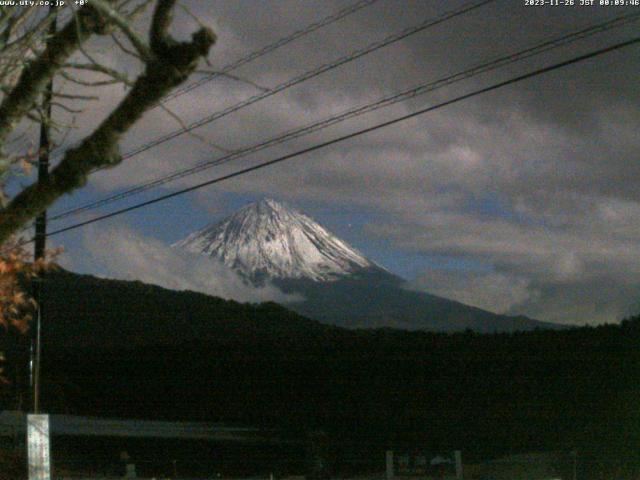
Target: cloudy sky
{"points": [[523, 200]]}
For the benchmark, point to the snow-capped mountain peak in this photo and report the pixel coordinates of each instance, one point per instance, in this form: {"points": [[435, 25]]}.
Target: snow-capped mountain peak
{"points": [[267, 238]]}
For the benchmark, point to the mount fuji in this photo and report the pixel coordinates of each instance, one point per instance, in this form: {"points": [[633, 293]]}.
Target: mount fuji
{"points": [[269, 241]]}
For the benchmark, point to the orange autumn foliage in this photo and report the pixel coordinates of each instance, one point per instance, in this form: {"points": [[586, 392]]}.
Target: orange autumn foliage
{"points": [[16, 270]]}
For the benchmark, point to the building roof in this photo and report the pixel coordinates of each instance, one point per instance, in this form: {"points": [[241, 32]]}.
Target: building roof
{"points": [[14, 423]]}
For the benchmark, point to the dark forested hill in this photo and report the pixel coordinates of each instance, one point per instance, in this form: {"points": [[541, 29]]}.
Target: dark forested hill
{"points": [[86, 311], [126, 349], [270, 241], [374, 299]]}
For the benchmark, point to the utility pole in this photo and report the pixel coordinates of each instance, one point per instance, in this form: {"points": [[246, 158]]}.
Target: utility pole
{"points": [[389, 464], [38, 443], [41, 224], [457, 455]]}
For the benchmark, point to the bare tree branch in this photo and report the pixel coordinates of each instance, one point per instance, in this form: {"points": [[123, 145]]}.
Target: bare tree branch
{"points": [[71, 96], [160, 25], [37, 74], [237, 78], [123, 47], [192, 134], [87, 83], [171, 63], [98, 68], [123, 24], [66, 108]]}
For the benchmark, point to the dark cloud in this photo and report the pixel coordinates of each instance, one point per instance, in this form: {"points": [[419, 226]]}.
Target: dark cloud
{"points": [[537, 181]]}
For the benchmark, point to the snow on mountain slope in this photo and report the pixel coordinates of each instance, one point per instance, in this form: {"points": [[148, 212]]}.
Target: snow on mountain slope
{"points": [[268, 239]]}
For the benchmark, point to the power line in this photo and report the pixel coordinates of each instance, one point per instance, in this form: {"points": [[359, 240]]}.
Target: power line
{"points": [[428, 23], [41, 221], [271, 47], [361, 110], [312, 27], [319, 146]]}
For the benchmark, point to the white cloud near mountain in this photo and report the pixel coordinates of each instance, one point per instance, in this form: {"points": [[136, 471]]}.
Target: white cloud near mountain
{"points": [[558, 153], [584, 269], [490, 291], [122, 253]]}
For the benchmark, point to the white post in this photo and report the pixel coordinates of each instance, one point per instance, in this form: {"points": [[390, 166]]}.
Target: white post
{"points": [[38, 447], [131, 471], [458, 457], [389, 464]]}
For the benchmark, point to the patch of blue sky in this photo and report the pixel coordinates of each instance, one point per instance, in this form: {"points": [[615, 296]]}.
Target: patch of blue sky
{"points": [[492, 205], [173, 219]]}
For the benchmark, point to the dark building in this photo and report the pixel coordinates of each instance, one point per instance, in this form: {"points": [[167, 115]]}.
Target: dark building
{"points": [[86, 446]]}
